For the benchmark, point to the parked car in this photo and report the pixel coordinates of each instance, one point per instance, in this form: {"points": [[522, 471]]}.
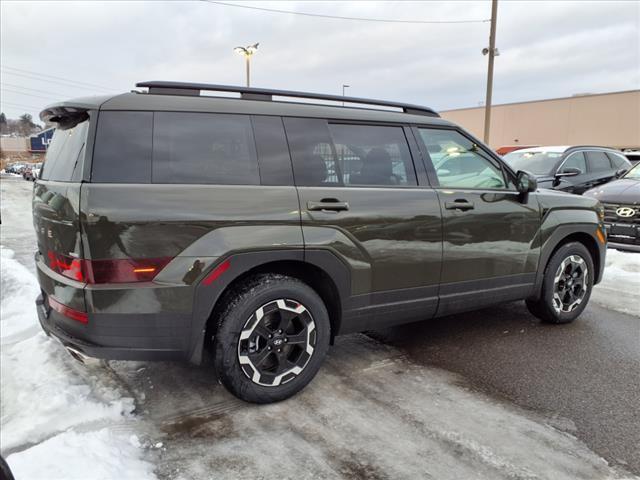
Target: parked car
{"points": [[571, 169], [255, 231], [632, 155], [621, 201], [32, 172], [15, 168], [512, 148]]}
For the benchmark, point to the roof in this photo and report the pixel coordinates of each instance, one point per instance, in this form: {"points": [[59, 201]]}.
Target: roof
{"points": [[211, 104]]}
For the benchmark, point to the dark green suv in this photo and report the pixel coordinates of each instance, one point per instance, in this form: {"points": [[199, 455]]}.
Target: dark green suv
{"points": [[176, 225]]}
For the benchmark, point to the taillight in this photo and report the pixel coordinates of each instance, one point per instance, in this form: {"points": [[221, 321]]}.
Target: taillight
{"points": [[124, 270], [119, 270], [68, 312]]}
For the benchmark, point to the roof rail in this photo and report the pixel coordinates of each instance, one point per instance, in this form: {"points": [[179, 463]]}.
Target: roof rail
{"points": [[267, 94]]}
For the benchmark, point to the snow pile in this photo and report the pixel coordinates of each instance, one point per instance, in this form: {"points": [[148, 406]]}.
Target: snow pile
{"points": [[53, 410], [620, 286]]}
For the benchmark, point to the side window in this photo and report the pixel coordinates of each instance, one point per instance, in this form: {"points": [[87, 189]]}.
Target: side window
{"points": [[373, 155], [598, 161], [273, 151], [618, 161], [312, 152], [458, 162], [204, 148], [122, 152], [575, 160]]}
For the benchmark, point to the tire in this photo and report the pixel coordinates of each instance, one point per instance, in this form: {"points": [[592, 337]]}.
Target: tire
{"points": [[564, 296], [249, 332]]}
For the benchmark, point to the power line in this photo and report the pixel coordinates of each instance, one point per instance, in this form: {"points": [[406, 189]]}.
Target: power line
{"points": [[27, 94], [5, 84], [30, 107], [336, 17], [31, 77], [68, 80]]}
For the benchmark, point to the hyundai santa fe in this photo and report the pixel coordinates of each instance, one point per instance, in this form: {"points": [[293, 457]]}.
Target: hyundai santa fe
{"points": [[249, 232]]}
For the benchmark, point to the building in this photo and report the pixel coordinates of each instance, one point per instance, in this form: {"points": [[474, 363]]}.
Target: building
{"points": [[40, 141], [607, 119]]}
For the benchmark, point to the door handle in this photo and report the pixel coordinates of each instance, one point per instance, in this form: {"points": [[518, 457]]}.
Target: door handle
{"points": [[328, 204], [459, 204]]}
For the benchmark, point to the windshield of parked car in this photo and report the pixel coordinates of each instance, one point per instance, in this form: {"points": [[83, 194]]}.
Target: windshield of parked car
{"points": [[634, 173], [538, 163]]}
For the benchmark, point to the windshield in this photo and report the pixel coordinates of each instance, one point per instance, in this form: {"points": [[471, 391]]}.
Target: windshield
{"points": [[634, 173], [538, 163]]}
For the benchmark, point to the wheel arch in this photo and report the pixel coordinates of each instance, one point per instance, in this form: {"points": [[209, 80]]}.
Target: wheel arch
{"points": [[564, 235], [320, 269]]}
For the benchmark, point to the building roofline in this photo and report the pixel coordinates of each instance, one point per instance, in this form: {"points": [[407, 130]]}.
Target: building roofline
{"points": [[542, 100]]}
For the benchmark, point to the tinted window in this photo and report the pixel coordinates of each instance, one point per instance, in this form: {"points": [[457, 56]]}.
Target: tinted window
{"points": [[64, 156], [618, 161], [122, 152], [203, 148], [372, 155], [312, 152], [459, 162], [598, 161], [273, 151], [575, 160]]}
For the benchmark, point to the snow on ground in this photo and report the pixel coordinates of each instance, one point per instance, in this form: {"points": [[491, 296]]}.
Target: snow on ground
{"points": [[53, 411], [620, 286]]}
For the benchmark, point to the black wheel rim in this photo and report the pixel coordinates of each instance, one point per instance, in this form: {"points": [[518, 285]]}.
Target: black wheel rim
{"points": [[277, 342], [570, 284]]}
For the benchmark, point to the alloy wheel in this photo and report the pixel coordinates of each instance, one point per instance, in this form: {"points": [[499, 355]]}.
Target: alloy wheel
{"points": [[277, 342], [570, 284]]}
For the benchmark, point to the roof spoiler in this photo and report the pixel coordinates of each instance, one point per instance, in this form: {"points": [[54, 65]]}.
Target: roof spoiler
{"points": [[267, 94]]}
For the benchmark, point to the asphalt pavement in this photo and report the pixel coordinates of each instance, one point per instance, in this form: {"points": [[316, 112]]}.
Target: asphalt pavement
{"points": [[585, 376]]}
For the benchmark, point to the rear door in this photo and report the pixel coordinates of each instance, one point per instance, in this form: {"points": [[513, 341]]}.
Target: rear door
{"points": [[360, 198], [490, 253], [56, 213]]}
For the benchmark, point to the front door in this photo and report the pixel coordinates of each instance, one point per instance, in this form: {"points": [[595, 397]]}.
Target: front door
{"points": [[490, 252], [359, 197]]}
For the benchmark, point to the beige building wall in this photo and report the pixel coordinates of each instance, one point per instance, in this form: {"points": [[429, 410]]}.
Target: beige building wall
{"points": [[14, 144], [609, 119]]}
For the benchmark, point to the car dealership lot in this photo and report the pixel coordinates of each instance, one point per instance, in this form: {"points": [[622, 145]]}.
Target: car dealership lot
{"points": [[378, 409]]}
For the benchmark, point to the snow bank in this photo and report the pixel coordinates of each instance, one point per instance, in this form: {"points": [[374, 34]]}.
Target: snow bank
{"points": [[620, 286], [98, 455], [46, 396]]}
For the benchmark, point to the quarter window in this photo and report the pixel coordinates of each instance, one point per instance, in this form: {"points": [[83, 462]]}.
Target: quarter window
{"points": [[460, 163], [204, 148], [122, 152]]}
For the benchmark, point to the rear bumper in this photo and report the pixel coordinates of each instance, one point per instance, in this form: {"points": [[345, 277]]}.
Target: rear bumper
{"points": [[53, 324]]}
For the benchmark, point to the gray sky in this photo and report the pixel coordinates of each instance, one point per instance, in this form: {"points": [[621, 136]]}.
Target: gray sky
{"points": [[547, 50]]}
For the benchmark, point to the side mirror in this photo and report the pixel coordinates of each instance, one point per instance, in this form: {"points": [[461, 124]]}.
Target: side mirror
{"points": [[526, 182], [569, 172], [621, 172]]}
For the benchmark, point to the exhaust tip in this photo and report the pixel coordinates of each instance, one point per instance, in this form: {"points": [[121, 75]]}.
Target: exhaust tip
{"points": [[76, 354]]}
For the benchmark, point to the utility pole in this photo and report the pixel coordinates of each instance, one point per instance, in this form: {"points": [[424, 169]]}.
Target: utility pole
{"points": [[492, 51]]}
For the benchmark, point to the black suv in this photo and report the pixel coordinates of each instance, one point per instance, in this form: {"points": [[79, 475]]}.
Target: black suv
{"points": [[571, 169], [176, 225]]}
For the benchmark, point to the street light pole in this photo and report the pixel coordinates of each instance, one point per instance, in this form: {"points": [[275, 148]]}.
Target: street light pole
{"points": [[343, 87], [492, 51], [247, 52]]}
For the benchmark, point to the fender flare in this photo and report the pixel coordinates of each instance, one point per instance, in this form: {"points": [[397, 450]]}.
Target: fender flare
{"points": [[556, 238], [206, 296]]}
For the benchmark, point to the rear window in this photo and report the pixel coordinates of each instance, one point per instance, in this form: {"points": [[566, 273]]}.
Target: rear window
{"points": [[63, 162], [204, 148]]}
